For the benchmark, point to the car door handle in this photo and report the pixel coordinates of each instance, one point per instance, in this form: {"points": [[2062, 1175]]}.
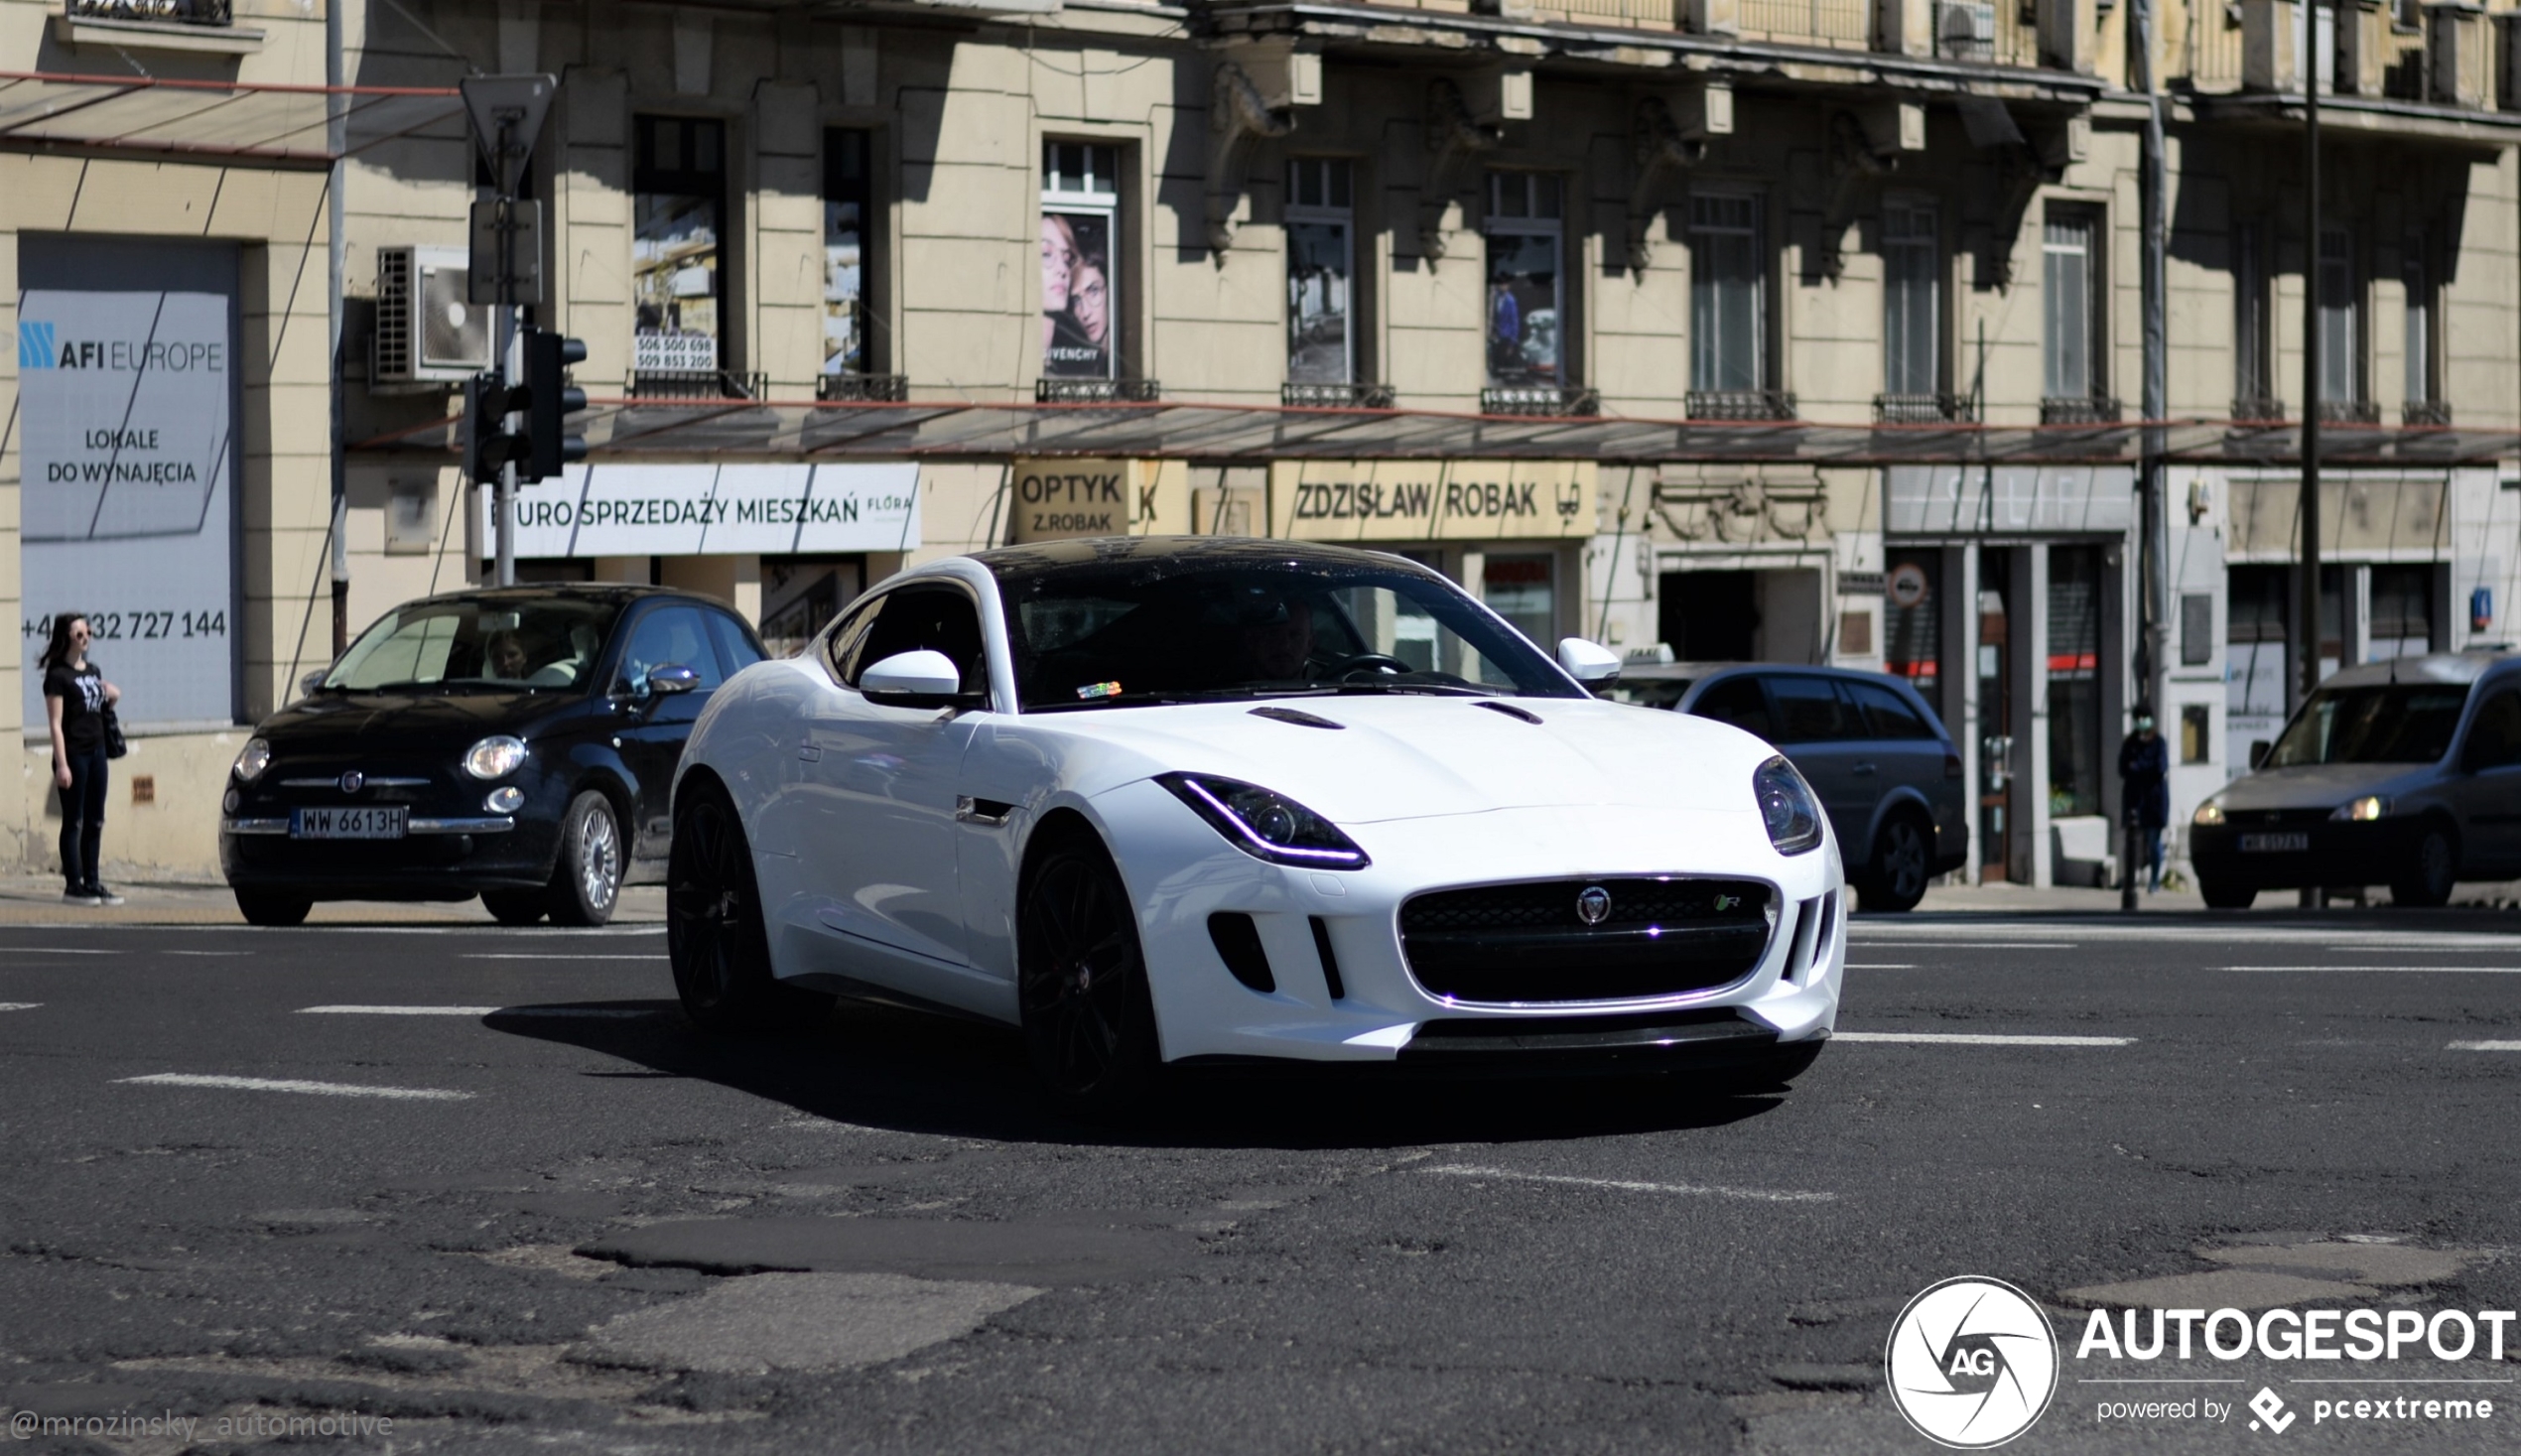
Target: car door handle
{"points": [[811, 753], [1863, 768]]}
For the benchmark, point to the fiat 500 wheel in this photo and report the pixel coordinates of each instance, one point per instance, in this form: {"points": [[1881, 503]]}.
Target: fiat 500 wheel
{"points": [[265, 907], [587, 884]]}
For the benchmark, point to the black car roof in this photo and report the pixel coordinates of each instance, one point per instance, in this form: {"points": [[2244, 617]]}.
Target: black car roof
{"points": [[616, 592], [1015, 564]]}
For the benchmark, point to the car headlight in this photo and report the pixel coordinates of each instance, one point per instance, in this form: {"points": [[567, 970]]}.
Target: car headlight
{"points": [[1264, 825], [2364, 810], [2209, 814], [496, 756], [252, 760], [1786, 804]]}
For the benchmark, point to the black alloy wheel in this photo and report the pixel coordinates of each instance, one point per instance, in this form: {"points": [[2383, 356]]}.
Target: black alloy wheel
{"points": [[714, 932], [587, 882], [271, 907], [2433, 872], [2222, 896], [516, 907], [1089, 1022], [1902, 864]]}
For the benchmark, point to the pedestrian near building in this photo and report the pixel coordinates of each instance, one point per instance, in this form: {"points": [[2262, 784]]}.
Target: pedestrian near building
{"points": [[75, 698], [2144, 776]]}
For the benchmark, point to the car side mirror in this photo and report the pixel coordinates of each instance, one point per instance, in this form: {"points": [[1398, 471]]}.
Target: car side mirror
{"points": [[672, 677], [926, 678], [1589, 663], [2258, 755], [306, 685]]}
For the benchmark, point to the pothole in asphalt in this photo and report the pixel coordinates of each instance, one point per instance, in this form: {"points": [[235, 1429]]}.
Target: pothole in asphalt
{"points": [[2255, 1273]]}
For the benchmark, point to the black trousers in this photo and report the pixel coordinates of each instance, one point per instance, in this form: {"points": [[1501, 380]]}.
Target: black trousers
{"points": [[84, 817]]}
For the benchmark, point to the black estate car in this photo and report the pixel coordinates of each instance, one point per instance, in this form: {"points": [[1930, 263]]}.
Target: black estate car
{"points": [[517, 743]]}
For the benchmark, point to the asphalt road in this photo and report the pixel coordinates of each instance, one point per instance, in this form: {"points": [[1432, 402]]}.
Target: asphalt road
{"points": [[553, 1216]]}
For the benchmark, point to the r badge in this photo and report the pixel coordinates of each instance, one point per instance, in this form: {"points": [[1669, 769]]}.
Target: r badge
{"points": [[1594, 905]]}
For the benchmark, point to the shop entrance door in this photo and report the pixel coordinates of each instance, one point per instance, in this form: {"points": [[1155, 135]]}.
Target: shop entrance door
{"points": [[1995, 716]]}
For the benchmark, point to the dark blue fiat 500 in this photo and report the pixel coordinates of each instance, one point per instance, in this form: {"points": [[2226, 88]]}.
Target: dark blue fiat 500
{"points": [[515, 744]]}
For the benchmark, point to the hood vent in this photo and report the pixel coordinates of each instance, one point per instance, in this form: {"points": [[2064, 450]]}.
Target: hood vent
{"points": [[1296, 716]]}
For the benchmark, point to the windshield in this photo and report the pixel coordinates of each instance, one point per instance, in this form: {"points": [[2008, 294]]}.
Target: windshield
{"points": [[509, 645], [2382, 723], [1121, 633]]}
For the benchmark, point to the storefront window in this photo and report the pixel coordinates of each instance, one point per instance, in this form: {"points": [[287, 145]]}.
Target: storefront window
{"points": [[1912, 605], [1320, 264], [2074, 681], [1995, 712], [2402, 619], [1525, 347], [1081, 280], [1519, 588], [678, 223], [848, 213]]}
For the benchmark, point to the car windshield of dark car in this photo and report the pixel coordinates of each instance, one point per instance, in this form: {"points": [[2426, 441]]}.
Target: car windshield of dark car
{"points": [[2386, 723], [504, 645], [1118, 633]]}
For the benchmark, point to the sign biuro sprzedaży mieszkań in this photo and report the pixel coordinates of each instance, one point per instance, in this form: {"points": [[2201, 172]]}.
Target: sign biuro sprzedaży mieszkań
{"points": [[605, 509], [126, 403]]}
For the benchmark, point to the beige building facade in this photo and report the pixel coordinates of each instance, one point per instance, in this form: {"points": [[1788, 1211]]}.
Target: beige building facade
{"points": [[1721, 329]]}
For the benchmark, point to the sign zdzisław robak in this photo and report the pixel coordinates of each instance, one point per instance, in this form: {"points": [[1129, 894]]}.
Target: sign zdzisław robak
{"points": [[126, 401], [608, 509]]}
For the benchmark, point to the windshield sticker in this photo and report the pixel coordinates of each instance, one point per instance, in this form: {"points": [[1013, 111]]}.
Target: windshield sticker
{"points": [[1099, 689]]}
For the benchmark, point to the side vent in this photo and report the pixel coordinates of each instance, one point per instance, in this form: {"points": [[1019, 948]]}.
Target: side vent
{"points": [[1811, 929], [1238, 943], [1330, 959]]}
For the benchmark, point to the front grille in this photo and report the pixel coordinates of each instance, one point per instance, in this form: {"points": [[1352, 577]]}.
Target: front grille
{"points": [[2261, 819], [1528, 944]]}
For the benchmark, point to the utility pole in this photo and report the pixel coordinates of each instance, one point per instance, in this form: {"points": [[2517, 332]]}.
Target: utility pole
{"points": [[2152, 559], [2307, 634]]}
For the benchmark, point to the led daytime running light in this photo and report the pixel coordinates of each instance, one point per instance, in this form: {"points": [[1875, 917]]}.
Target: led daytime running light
{"points": [[1244, 835]]}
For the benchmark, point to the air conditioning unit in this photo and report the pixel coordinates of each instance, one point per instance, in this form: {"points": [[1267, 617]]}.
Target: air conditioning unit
{"points": [[426, 332], [1966, 31]]}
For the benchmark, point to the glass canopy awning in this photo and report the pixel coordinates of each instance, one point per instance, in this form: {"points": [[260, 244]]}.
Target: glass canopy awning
{"points": [[276, 123], [744, 429]]}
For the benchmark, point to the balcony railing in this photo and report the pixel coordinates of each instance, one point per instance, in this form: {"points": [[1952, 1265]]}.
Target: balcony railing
{"points": [[1541, 399], [698, 385], [1316, 396], [1097, 391], [2100, 409], [2260, 409], [2424, 412], [862, 388], [1739, 404], [176, 12], [1925, 409], [2349, 412]]}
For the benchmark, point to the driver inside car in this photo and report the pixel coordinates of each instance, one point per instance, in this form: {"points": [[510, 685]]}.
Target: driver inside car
{"points": [[1277, 640]]}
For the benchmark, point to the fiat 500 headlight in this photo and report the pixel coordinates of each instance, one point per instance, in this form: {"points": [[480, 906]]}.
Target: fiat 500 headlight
{"points": [[1264, 825], [2364, 810], [2209, 814], [496, 756], [252, 760], [1786, 805]]}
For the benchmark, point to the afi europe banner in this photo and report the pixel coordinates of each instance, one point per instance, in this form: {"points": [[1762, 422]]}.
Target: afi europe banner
{"points": [[127, 407]]}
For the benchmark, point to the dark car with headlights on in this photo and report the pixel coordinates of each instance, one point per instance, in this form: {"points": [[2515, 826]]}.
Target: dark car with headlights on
{"points": [[2405, 773], [517, 743]]}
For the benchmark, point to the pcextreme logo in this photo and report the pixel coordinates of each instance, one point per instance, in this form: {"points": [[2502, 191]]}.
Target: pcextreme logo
{"points": [[1972, 1363]]}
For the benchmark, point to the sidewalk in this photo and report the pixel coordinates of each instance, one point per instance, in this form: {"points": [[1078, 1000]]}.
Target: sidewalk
{"points": [[2021, 900], [37, 901]]}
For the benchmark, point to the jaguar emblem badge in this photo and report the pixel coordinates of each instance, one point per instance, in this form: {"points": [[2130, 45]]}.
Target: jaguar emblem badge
{"points": [[1594, 905], [354, 782]]}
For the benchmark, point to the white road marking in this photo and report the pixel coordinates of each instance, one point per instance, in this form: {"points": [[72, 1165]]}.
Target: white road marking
{"points": [[1880, 965], [1897, 943], [2393, 968], [2483, 1046], [206, 952], [532, 956], [58, 951], [1957, 1038], [18, 1005], [1625, 1185], [319, 1089], [584, 1011]]}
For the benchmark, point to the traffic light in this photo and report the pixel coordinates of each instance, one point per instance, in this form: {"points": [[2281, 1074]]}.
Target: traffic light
{"points": [[549, 402], [488, 443]]}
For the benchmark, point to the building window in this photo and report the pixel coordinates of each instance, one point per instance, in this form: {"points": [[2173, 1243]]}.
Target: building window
{"points": [[849, 212], [1520, 589], [1525, 347], [2424, 383], [2402, 611], [2069, 256], [678, 270], [1081, 278], [2255, 395], [1320, 266], [1912, 296], [2340, 337], [1728, 288]]}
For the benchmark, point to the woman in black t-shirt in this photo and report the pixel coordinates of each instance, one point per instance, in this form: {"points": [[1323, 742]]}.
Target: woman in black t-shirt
{"points": [[75, 696]]}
